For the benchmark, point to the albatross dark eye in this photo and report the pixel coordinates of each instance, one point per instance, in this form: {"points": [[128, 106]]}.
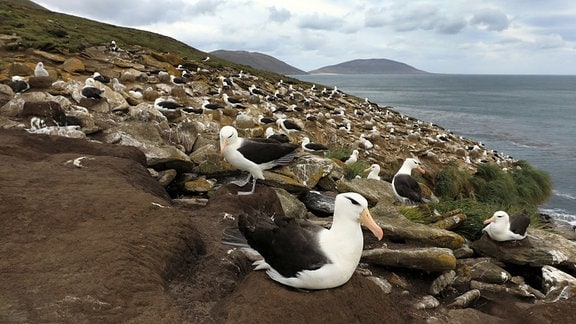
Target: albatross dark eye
{"points": [[353, 201]]}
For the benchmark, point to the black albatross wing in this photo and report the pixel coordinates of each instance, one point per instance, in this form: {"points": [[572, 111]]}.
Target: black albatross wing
{"points": [[287, 244], [264, 150], [519, 223], [407, 187]]}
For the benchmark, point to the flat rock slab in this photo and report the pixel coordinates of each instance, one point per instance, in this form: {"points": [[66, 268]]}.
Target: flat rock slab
{"points": [[539, 248]]}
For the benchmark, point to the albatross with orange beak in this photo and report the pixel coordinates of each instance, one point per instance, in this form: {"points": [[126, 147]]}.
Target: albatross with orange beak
{"points": [[301, 254], [405, 186], [253, 155], [502, 227]]}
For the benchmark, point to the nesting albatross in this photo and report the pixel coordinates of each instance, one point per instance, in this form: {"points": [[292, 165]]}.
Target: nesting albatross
{"points": [[300, 254], [90, 91], [40, 71], [405, 187], [374, 172], [253, 155], [502, 227]]}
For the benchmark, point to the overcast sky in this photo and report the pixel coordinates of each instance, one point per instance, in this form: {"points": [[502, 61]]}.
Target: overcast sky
{"points": [[456, 36]]}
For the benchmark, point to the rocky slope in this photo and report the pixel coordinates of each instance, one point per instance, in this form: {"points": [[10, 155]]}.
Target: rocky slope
{"points": [[112, 211]]}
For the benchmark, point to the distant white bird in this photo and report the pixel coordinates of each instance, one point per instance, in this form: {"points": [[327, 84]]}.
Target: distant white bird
{"points": [[502, 227], [288, 126], [365, 142], [255, 91], [351, 159], [233, 102], [90, 91], [374, 172], [271, 135], [112, 46], [100, 78], [206, 104], [166, 105], [266, 120], [37, 123], [312, 147], [135, 94], [117, 86], [18, 84], [40, 71]]}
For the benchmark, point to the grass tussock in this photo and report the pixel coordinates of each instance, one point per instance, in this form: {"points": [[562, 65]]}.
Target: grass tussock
{"points": [[517, 190], [355, 169]]}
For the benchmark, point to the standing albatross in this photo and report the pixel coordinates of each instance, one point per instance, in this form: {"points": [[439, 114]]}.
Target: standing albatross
{"points": [[253, 155], [502, 227], [405, 187], [300, 254]]}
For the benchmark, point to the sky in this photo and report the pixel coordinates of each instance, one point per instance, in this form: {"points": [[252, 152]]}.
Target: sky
{"points": [[455, 36]]}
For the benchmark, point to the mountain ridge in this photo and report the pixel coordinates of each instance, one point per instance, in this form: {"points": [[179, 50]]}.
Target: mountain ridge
{"points": [[258, 61], [369, 66]]}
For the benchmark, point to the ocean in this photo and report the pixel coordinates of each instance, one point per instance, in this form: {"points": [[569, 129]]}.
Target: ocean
{"points": [[529, 117]]}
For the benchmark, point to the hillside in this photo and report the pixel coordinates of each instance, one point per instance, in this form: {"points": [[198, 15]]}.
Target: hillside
{"points": [[39, 28], [369, 66], [258, 61]]}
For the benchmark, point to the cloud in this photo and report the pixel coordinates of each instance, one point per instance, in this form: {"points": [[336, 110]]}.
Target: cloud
{"points": [[320, 22], [377, 17], [458, 36], [413, 18], [451, 27], [491, 19], [203, 7], [278, 15]]}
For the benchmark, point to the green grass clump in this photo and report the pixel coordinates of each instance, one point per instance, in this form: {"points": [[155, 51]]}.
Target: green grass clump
{"points": [[517, 190], [414, 214], [355, 169], [452, 183], [521, 186], [337, 153]]}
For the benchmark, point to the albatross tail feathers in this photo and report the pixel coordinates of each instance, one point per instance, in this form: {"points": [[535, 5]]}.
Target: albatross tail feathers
{"points": [[233, 237]]}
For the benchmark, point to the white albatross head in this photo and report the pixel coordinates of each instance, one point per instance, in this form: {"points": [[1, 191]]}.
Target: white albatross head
{"points": [[374, 170], [228, 135], [500, 218], [351, 204], [409, 165]]}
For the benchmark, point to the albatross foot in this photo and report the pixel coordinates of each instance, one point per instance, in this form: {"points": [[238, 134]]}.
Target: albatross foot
{"points": [[245, 193]]}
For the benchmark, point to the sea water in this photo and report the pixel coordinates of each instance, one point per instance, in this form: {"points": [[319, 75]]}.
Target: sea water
{"points": [[529, 117]]}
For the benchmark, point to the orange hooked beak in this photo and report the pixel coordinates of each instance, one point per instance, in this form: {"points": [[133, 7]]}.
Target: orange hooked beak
{"points": [[420, 169], [367, 220], [222, 146], [489, 220]]}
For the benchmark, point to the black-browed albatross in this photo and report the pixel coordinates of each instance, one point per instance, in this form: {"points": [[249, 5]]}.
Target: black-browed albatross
{"points": [[253, 154], [304, 255], [405, 187], [312, 147], [504, 227], [374, 172]]}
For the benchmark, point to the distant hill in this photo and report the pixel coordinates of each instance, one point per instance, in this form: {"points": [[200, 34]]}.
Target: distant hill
{"points": [[369, 66], [258, 61], [24, 3]]}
